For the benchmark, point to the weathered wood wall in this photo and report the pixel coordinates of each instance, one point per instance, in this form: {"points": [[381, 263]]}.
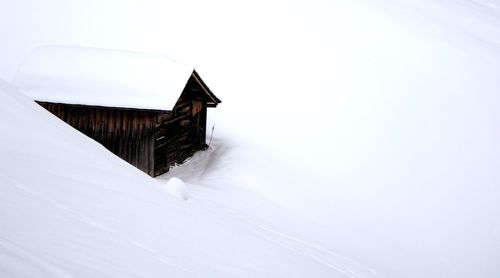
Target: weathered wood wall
{"points": [[181, 132], [151, 140], [129, 133], [166, 146]]}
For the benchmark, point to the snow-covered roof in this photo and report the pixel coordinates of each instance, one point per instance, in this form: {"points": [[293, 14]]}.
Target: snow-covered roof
{"points": [[76, 75]]}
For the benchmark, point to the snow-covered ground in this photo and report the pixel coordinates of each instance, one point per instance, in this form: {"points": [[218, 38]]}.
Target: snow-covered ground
{"points": [[378, 121], [69, 208]]}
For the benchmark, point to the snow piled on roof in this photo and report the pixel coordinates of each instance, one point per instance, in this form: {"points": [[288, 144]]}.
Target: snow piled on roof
{"points": [[89, 76]]}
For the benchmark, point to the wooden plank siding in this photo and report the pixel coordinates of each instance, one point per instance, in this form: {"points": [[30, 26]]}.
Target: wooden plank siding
{"points": [[151, 140], [191, 110], [163, 157], [128, 133], [181, 132]]}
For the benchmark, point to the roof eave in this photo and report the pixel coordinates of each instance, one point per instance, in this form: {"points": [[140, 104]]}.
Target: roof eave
{"points": [[209, 93]]}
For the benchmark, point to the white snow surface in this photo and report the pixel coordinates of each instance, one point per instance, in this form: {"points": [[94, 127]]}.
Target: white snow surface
{"points": [[100, 77], [176, 187], [70, 208], [376, 119]]}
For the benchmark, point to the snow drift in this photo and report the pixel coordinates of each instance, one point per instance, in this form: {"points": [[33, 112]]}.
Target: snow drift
{"points": [[70, 208], [381, 117]]}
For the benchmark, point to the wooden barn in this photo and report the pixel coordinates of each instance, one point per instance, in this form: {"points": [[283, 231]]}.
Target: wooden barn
{"points": [[147, 109]]}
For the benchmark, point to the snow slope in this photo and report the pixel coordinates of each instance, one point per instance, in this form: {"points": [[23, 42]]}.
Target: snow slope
{"points": [[69, 208], [379, 118], [394, 131]]}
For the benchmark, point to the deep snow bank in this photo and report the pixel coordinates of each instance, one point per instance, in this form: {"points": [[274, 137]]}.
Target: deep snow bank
{"points": [[69, 208], [385, 123], [381, 117]]}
